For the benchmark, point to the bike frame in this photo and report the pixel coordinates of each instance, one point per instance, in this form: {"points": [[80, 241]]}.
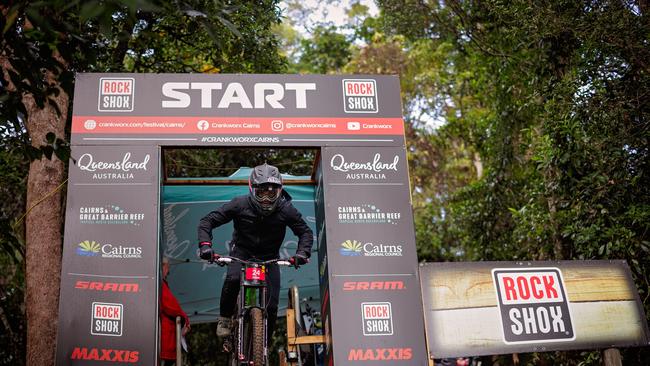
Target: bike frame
{"points": [[252, 294]]}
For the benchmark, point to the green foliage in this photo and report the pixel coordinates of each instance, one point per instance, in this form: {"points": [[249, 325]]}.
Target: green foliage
{"points": [[45, 43], [544, 146], [181, 163], [326, 51]]}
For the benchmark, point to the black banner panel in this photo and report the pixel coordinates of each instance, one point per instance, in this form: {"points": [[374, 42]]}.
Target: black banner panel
{"points": [[368, 270]]}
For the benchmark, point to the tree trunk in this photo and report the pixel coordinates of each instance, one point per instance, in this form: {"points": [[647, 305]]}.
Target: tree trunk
{"points": [[43, 233]]}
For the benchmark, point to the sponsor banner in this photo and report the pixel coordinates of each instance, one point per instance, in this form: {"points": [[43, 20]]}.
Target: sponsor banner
{"points": [[237, 95], [214, 138], [111, 274], [167, 125], [132, 165], [382, 320], [474, 309], [369, 229], [111, 320], [201, 109], [366, 167]]}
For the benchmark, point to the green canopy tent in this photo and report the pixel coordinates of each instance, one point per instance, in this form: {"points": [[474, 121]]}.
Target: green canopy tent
{"points": [[197, 284]]}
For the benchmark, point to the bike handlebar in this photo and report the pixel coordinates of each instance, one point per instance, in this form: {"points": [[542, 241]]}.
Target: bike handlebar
{"points": [[228, 260]]}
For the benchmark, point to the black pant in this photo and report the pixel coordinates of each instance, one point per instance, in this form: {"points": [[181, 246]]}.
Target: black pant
{"points": [[230, 291]]}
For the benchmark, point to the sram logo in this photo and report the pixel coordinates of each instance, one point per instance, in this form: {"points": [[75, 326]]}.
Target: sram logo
{"points": [[380, 354], [107, 286], [373, 285], [102, 354]]}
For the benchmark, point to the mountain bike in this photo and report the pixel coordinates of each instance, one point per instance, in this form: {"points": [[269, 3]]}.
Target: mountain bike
{"points": [[247, 342]]}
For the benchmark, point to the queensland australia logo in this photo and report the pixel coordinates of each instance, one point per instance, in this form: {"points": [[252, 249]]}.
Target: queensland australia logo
{"points": [[120, 169], [366, 214], [360, 96], [533, 304], [353, 248], [116, 94], [109, 215], [365, 170], [91, 248]]}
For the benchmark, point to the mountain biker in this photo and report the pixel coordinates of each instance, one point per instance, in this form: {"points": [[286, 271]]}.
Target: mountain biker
{"points": [[260, 222]]}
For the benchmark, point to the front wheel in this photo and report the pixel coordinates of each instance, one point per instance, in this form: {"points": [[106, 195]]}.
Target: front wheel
{"points": [[254, 337]]}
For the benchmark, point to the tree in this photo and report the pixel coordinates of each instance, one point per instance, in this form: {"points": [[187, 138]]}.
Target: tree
{"points": [[45, 43], [553, 100]]}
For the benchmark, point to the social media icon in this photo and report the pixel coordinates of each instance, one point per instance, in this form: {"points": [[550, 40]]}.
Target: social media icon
{"points": [[90, 124], [202, 125], [277, 125], [354, 126]]}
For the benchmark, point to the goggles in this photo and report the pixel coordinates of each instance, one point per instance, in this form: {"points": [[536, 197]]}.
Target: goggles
{"points": [[267, 192]]}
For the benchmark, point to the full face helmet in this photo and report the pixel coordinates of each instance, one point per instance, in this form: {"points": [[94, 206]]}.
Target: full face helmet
{"points": [[265, 187]]}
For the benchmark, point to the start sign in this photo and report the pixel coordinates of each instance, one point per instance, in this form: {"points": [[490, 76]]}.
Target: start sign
{"points": [[533, 305]]}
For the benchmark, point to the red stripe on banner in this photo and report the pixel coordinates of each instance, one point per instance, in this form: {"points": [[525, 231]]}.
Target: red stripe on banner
{"points": [[133, 125]]}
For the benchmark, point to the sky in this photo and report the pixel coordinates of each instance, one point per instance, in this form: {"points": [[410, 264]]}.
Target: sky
{"points": [[326, 11]]}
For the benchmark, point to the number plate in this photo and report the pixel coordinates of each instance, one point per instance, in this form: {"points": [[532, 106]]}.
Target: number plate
{"points": [[255, 274]]}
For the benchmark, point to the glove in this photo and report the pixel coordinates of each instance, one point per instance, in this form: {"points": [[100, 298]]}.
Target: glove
{"points": [[298, 260], [205, 251]]}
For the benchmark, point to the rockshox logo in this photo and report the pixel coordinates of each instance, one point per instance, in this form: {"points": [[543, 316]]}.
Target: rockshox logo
{"points": [[116, 95], [533, 305], [106, 319], [360, 96], [377, 318]]}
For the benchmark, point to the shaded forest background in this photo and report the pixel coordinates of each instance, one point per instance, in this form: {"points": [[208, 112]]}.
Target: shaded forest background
{"points": [[527, 124]]}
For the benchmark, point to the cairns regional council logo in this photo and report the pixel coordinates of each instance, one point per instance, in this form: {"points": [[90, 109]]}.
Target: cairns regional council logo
{"points": [[533, 305], [91, 248], [360, 96], [116, 95], [353, 248]]}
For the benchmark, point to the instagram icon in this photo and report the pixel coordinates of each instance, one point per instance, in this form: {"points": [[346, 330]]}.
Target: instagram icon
{"points": [[277, 125]]}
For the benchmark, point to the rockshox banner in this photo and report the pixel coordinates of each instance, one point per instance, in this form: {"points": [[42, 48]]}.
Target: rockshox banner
{"points": [[487, 308], [368, 271], [235, 110]]}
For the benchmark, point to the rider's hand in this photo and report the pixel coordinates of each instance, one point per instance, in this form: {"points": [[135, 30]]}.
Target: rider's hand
{"points": [[205, 251], [298, 260]]}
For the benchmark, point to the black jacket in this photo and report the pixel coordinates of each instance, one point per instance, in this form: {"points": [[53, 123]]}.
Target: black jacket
{"points": [[260, 236]]}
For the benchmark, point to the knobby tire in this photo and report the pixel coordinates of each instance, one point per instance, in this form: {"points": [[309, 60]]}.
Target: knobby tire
{"points": [[254, 337]]}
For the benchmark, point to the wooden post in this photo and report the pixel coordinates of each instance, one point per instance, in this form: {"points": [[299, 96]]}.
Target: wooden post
{"points": [[612, 357], [179, 348]]}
